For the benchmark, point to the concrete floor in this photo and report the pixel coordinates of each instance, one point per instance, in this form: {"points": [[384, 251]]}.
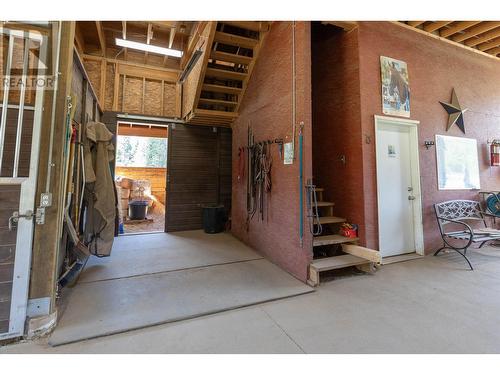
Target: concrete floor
{"points": [[430, 305]]}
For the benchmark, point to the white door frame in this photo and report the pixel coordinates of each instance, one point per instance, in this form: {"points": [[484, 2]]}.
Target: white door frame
{"points": [[415, 174], [24, 239]]}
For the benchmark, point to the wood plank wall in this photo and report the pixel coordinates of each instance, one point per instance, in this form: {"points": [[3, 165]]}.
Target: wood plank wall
{"points": [[132, 89], [199, 173], [9, 202]]}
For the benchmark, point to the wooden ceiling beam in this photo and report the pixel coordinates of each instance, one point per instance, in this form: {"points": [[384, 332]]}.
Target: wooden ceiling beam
{"points": [[415, 23], [494, 51], [102, 38], [171, 37], [476, 30], [489, 45], [79, 41], [436, 25], [483, 38], [459, 26], [149, 35], [124, 36]]}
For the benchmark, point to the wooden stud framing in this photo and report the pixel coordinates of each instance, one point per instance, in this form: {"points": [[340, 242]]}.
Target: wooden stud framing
{"points": [[476, 30], [436, 26], [489, 45], [102, 88], [133, 64], [483, 38], [171, 37], [148, 41], [178, 100], [101, 36], [124, 36], [143, 99], [415, 23], [459, 26], [116, 88], [123, 90], [162, 109], [446, 40]]}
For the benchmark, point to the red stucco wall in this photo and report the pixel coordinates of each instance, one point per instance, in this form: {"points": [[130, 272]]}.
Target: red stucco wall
{"points": [[267, 109], [435, 67]]}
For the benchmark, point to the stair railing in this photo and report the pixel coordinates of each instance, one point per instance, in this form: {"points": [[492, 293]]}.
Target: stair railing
{"points": [[312, 209]]}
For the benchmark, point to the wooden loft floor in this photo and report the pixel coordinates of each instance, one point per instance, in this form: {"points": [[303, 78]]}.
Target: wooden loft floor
{"points": [[137, 82]]}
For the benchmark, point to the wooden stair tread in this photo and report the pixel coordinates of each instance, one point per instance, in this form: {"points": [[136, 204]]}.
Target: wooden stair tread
{"points": [[336, 262], [332, 239], [325, 204], [235, 40], [225, 74], [230, 57], [221, 88], [329, 220], [217, 101]]}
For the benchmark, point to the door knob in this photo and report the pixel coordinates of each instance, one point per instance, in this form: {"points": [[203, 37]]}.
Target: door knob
{"points": [[411, 197], [16, 216]]}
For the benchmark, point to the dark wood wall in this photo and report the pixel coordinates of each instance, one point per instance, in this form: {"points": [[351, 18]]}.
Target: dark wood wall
{"points": [[199, 173]]}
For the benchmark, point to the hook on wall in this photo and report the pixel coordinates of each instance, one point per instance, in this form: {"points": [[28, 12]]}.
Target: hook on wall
{"points": [[428, 144]]}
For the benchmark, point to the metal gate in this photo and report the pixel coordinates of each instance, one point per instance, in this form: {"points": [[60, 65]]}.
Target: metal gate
{"points": [[22, 56]]}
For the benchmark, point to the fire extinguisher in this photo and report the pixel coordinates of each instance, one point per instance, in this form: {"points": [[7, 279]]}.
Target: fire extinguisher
{"points": [[495, 153]]}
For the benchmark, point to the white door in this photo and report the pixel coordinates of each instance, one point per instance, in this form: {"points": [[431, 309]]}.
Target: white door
{"points": [[20, 122], [398, 186]]}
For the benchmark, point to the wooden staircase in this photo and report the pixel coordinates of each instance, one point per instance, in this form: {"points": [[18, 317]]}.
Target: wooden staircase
{"points": [[233, 48], [354, 255]]}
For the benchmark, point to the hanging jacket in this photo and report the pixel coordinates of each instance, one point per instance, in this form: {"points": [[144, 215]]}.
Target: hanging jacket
{"points": [[100, 196]]}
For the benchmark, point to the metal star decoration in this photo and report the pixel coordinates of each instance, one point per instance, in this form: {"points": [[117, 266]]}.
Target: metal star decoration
{"points": [[455, 112]]}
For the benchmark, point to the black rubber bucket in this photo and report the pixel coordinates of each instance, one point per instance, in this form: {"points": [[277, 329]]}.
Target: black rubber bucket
{"points": [[214, 219], [137, 210]]}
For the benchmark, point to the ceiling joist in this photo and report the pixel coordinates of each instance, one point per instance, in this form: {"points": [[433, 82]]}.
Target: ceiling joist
{"points": [[459, 26], [479, 36], [433, 26], [100, 35], [476, 30]]}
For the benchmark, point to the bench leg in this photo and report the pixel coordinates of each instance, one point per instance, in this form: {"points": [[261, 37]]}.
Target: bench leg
{"points": [[438, 251], [465, 257], [458, 251]]}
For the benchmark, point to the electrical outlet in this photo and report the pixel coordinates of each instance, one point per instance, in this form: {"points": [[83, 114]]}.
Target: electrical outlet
{"points": [[46, 200]]}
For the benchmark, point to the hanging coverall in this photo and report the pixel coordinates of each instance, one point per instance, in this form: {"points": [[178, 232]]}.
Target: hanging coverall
{"points": [[100, 196]]}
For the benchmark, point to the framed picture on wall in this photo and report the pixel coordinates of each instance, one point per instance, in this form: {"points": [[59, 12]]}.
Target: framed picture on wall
{"points": [[457, 163], [395, 87]]}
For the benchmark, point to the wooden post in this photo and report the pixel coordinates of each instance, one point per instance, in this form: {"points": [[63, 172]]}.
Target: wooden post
{"points": [[102, 88], [116, 88], [47, 236]]}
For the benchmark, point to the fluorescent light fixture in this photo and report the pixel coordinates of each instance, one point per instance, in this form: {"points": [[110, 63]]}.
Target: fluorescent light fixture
{"points": [[148, 47]]}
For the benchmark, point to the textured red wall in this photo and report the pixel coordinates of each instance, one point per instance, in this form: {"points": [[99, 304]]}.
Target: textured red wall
{"points": [[435, 67], [267, 109], [337, 121]]}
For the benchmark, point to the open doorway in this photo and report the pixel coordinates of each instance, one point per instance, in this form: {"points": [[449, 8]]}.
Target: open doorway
{"points": [[140, 176]]}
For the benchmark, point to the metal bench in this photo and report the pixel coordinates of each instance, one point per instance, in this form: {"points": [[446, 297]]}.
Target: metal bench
{"points": [[457, 212]]}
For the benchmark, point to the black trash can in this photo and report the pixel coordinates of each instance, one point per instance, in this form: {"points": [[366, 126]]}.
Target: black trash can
{"points": [[137, 210], [214, 218]]}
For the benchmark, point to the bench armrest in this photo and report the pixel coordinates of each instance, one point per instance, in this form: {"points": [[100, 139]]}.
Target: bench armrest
{"points": [[467, 226]]}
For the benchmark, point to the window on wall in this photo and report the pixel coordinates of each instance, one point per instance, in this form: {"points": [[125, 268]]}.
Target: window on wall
{"points": [[133, 151]]}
